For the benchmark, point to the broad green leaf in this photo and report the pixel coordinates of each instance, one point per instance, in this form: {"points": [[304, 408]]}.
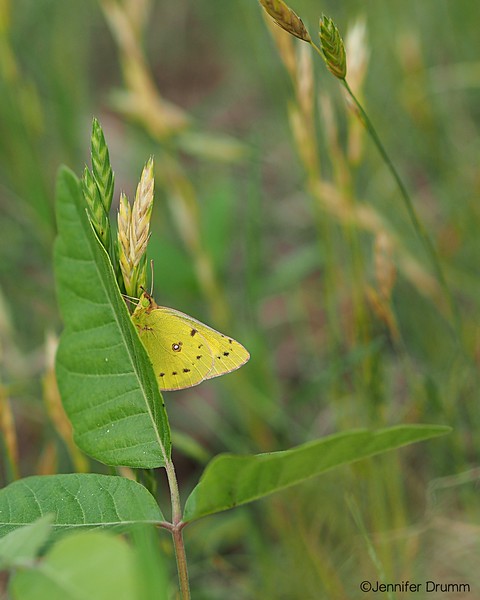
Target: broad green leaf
{"points": [[231, 480], [78, 501], [105, 378], [23, 544], [83, 566]]}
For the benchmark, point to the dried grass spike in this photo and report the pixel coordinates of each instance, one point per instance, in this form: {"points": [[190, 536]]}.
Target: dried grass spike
{"points": [[124, 219], [384, 312], [285, 45], [141, 213], [358, 53], [285, 18], [134, 232], [8, 432], [305, 82], [385, 270]]}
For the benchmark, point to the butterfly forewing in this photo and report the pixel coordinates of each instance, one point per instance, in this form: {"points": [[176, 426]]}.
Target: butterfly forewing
{"points": [[184, 351]]}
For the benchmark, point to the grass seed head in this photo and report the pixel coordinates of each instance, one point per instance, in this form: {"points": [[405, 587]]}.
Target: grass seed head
{"points": [[141, 213], [358, 52], [96, 209], [101, 169], [134, 232], [385, 270], [285, 18], [285, 46], [333, 48]]}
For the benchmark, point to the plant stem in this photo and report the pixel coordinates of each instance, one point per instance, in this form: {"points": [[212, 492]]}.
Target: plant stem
{"points": [[417, 224], [181, 562], [176, 529]]}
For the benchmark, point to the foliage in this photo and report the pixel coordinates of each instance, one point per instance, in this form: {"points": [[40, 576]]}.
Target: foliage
{"points": [[275, 220]]}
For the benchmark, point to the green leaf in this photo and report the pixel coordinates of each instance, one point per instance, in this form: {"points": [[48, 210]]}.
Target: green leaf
{"points": [[232, 480], [82, 566], [78, 500], [23, 544], [107, 385]]}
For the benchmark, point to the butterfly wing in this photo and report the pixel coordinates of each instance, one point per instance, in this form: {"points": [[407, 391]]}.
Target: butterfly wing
{"points": [[228, 354], [184, 352], [180, 359]]}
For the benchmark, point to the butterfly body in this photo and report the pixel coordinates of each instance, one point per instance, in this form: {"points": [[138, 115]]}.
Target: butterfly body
{"points": [[183, 351]]}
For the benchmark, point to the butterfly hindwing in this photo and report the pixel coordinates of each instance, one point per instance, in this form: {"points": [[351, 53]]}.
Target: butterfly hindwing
{"points": [[228, 354], [184, 351], [178, 362]]}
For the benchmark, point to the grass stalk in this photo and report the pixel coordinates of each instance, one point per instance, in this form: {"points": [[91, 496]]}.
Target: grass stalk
{"points": [[371, 550], [332, 52], [416, 223]]}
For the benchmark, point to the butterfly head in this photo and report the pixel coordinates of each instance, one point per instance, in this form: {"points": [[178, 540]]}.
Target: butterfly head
{"points": [[146, 302]]}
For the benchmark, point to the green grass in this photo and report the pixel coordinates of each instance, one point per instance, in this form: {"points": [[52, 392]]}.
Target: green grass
{"points": [[285, 275]]}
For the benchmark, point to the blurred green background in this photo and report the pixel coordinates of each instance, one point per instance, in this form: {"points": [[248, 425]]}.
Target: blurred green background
{"points": [[276, 221]]}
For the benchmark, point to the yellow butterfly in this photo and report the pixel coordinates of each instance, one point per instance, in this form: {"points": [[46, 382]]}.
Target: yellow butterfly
{"points": [[183, 351]]}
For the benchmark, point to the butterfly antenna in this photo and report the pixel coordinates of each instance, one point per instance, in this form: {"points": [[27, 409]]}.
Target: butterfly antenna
{"points": [[151, 274], [131, 299]]}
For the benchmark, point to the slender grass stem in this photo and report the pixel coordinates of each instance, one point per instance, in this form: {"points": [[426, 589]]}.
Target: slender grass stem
{"points": [[416, 223], [357, 517], [176, 529]]}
